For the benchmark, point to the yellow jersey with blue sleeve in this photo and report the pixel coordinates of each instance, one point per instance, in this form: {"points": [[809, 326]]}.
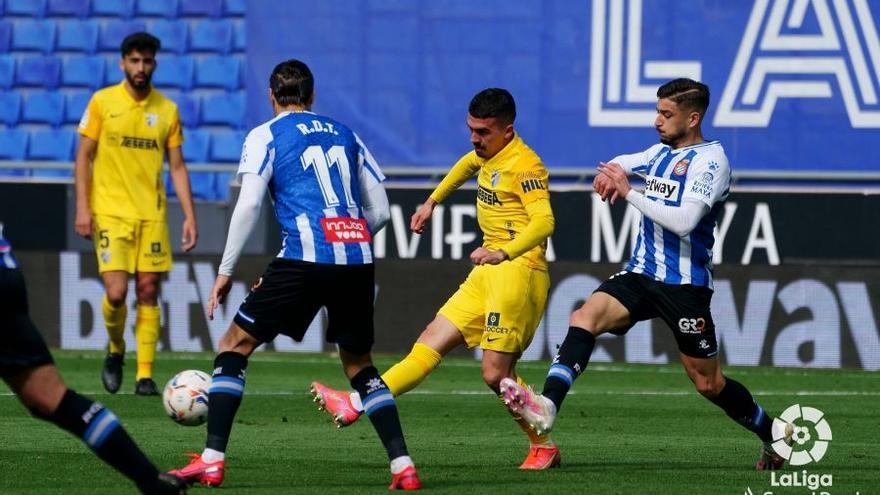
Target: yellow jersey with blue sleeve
{"points": [[132, 138], [512, 189]]}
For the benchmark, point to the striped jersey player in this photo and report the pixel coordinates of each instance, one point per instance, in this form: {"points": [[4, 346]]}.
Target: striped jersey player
{"points": [[328, 197], [694, 179], [669, 275]]}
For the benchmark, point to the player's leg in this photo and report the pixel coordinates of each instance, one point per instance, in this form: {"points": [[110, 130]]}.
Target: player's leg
{"points": [[115, 313], [283, 299], [380, 407], [43, 392], [686, 310], [224, 398], [601, 313], [543, 452], [440, 337], [117, 258], [459, 321], [347, 292], [737, 402], [613, 307], [146, 330], [153, 259]]}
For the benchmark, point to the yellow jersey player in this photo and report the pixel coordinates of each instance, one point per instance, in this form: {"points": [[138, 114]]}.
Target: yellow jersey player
{"points": [[500, 304], [120, 201]]}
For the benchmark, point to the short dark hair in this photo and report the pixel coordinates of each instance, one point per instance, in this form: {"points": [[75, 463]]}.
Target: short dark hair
{"points": [[687, 94], [142, 42], [493, 103], [292, 83]]}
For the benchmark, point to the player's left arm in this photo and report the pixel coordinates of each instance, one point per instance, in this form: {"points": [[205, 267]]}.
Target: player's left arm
{"points": [[374, 199], [180, 179], [535, 197]]}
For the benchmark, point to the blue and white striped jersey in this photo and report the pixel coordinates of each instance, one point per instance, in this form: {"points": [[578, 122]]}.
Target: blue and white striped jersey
{"points": [[316, 169], [7, 261], [699, 172]]}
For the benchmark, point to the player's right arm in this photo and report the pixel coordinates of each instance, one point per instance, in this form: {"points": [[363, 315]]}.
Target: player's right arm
{"points": [[89, 130], [254, 171], [464, 169], [634, 163]]}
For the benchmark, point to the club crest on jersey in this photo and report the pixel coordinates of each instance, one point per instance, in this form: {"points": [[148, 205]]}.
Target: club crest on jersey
{"points": [[152, 119], [494, 180], [346, 230], [681, 167]]}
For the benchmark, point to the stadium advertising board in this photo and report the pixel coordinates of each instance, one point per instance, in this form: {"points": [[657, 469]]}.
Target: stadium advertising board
{"points": [[753, 229], [803, 316], [793, 82]]}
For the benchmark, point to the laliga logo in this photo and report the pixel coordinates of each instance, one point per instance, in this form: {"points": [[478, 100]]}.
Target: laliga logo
{"points": [[797, 453]]}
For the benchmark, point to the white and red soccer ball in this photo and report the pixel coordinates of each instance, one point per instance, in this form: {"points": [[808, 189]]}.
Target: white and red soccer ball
{"points": [[186, 397]]}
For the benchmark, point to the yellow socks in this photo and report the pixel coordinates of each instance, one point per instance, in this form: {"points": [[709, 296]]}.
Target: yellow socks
{"points": [[114, 319], [534, 438], [409, 372], [146, 332]]}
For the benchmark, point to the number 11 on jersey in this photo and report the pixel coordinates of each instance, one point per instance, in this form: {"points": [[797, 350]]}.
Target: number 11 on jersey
{"points": [[314, 156]]}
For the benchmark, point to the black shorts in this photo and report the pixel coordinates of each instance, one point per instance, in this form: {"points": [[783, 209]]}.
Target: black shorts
{"points": [[685, 308], [21, 345], [290, 293]]}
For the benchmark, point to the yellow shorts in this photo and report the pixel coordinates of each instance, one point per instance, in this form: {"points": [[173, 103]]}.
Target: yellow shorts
{"points": [[132, 245], [499, 307]]}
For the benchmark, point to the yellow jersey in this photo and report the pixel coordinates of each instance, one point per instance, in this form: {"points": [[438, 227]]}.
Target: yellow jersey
{"points": [[506, 184], [132, 137]]}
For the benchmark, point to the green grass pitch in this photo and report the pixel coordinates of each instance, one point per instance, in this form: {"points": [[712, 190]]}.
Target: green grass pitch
{"points": [[625, 429]]}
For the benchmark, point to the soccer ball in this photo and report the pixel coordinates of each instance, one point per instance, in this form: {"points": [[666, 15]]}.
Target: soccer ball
{"points": [[186, 397]]}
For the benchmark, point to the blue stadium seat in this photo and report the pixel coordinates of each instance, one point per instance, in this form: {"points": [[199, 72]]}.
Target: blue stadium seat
{"points": [[201, 8], [26, 8], [195, 145], [174, 71], [224, 108], [203, 185], [239, 42], [157, 8], [33, 36], [77, 36], [83, 71], [75, 105], [5, 36], [52, 144], [37, 70], [172, 33], [223, 179], [10, 108], [226, 146], [115, 31], [70, 8], [13, 144], [234, 8], [7, 71], [112, 72], [43, 107], [113, 8], [218, 71], [211, 36], [188, 106]]}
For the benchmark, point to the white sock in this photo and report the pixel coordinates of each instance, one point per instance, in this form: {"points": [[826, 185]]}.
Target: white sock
{"points": [[211, 455], [356, 401], [398, 464]]}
